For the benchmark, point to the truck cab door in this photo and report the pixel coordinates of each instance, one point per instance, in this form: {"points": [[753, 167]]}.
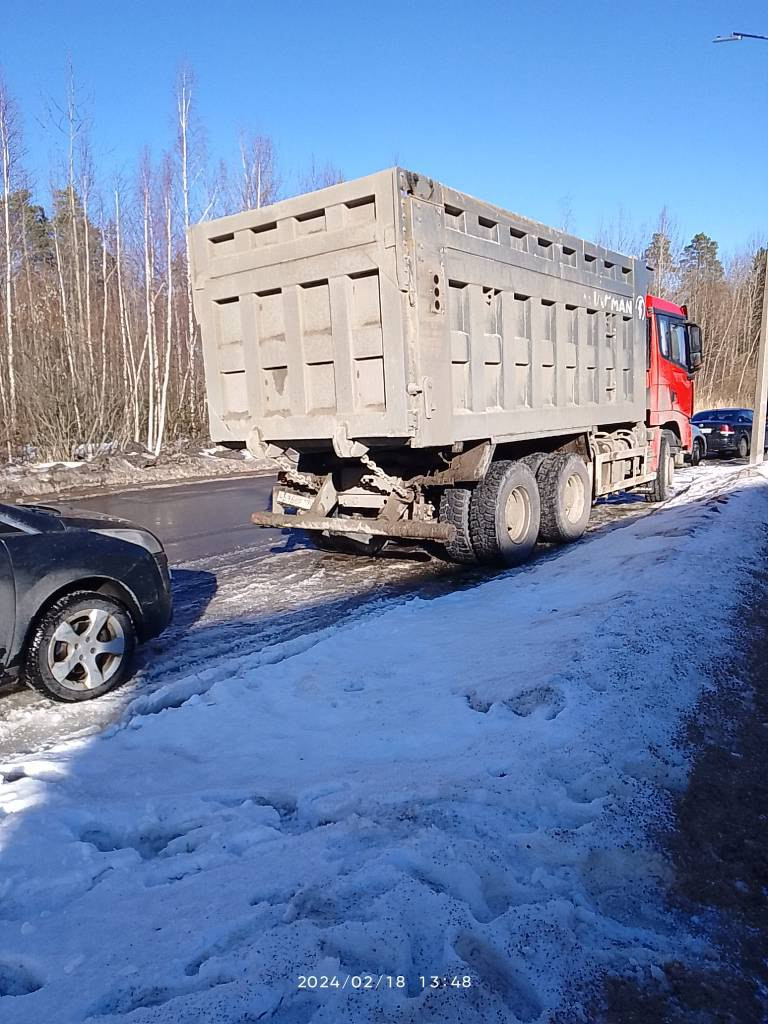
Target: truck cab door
{"points": [[7, 605], [675, 375]]}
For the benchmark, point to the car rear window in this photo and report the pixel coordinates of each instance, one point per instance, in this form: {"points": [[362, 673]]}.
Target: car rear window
{"points": [[721, 416]]}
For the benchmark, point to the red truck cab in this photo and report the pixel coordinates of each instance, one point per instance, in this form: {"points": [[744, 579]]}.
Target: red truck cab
{"points": [[674, 356]]}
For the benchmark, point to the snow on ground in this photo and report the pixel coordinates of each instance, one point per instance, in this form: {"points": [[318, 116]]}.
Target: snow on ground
{"points": [[455, 787]]}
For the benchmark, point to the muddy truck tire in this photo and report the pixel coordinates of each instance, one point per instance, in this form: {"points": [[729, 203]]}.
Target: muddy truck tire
{"points": [[565, 492], [661, 488], [454, 509], [534, 462], [505, 514]]}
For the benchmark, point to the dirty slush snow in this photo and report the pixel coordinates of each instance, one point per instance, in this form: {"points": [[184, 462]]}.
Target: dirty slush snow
{"points": [[456, 787]]}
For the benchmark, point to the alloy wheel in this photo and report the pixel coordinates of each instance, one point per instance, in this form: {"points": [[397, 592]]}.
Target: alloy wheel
{"points": [[86, 649]]}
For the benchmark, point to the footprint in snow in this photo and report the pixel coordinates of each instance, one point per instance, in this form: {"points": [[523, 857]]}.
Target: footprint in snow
{"points": [[17, 980], [497, 973], [525, 703], [477, 703], [148, 842]]}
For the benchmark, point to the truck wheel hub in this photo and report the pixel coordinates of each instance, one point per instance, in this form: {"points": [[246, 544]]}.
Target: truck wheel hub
{"points": [[517, 514], [574, 498]]}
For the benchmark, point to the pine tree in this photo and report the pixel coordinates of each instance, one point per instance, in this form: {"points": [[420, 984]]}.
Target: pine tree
{"points": [[699, 259], [31, 229], [756, 287]]}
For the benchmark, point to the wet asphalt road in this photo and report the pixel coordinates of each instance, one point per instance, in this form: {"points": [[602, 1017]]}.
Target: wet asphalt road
{"points": [[238, 590], [193, 520]]}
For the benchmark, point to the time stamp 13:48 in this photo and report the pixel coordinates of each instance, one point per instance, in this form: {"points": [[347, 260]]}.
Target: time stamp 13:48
{"points": [[362, 982]]}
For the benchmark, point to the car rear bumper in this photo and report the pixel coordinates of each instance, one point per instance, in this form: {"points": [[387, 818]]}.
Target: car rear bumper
{"points": [[719, 445]]}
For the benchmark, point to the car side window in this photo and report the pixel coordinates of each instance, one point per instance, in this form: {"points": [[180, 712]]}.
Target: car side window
{"points": [[6, 528]]}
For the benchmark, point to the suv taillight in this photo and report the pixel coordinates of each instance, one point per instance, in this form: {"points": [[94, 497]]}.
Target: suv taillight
{"points": [[726, 429]]}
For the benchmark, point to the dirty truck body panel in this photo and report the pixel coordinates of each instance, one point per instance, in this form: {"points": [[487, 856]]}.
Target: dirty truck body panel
{"points": [[400, 313], [425, 366]]}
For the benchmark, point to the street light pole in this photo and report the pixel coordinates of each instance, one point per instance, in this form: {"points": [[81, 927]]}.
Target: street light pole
{"points": [[761, 385], [756, 453]]}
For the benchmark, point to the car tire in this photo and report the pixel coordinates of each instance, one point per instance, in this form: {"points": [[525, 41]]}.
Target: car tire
{"points": [[505, 514], [743, 447], [661, 488], [565, 491], [697, 452], [53, 663], [454, 509]]}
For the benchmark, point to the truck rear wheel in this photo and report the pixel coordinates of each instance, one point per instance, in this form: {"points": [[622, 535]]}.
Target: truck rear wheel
{"points": [[534, 462], [504, 514], [566, 498], [661, 488], [454, 509]]}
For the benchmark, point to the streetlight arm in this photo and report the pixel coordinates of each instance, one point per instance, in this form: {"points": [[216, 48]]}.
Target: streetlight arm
{"points": [[734, 37]]}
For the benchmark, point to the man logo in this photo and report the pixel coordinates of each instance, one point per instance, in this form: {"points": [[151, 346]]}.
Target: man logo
{"points": [[640, 307]]}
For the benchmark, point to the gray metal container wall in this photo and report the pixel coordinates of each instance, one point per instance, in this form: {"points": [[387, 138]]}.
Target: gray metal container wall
{"points": [[409, 312]]}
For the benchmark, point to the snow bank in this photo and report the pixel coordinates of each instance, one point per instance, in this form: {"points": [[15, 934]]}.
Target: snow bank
{"points": [[457, 787], [112, 469]]}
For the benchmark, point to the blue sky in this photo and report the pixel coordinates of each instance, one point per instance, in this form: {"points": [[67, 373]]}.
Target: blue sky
{"points": [[595, 110]]}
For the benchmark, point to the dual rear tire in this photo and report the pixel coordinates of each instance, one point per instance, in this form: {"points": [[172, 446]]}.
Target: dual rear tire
{"points": [[505, 514], [516, 504]]}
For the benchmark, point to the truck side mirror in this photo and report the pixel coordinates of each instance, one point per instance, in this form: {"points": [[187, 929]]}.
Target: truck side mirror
{"points": [[694, 347]]}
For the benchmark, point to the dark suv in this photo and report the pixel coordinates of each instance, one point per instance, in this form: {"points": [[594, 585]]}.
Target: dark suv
{"points": [[728, 431], [78, 591]]}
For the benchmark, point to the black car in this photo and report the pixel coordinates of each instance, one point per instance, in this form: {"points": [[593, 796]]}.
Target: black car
{"points": [[77, 593], [728, 431]]}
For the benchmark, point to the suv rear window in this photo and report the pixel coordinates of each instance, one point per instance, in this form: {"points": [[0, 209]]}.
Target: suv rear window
{"points": [[722, 416]]}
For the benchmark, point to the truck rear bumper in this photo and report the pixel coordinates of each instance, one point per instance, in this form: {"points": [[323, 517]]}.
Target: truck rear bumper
{"points": [[403, 529]]}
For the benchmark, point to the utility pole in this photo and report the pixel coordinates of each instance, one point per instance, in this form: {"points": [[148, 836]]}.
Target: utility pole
{"points": [[761, 385], [756, 454]]}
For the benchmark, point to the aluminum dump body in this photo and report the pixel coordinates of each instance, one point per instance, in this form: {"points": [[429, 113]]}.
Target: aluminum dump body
{"points": [[394, 310]]}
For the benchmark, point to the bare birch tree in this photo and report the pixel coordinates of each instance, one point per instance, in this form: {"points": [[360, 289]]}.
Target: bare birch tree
{"points": [[9, 138], [167, 186], [259, 183]]}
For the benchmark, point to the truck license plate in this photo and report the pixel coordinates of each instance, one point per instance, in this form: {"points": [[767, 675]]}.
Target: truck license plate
{"points": [[294, 500]]}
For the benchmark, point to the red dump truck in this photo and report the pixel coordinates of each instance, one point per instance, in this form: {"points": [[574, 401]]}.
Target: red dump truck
{"points": [[427, 367]]}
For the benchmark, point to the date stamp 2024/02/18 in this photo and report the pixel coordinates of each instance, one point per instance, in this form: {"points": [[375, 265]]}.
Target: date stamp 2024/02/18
{"points": [[363, 982]]}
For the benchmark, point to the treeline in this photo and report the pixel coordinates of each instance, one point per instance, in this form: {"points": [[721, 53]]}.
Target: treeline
{"points": [[98, 341], [724, 298]]}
